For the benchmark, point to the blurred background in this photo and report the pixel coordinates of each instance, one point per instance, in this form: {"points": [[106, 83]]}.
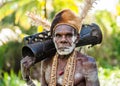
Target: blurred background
{"points": [[15, 25]]}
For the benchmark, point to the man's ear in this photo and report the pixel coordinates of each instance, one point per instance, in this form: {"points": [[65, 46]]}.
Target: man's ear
{"points": [[78, 37]]}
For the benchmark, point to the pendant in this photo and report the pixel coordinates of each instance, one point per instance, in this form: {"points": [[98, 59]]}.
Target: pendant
{"points": [[61, 73]]}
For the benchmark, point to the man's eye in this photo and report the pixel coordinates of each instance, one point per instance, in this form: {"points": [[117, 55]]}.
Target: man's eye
{"points": [[69, 35], [58, 35]]}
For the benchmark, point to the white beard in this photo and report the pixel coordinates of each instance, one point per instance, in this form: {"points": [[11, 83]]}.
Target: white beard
{"points": [[67, 50]]}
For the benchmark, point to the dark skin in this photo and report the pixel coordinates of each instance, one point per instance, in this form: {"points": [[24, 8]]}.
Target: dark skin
{"points": [[86, 69]]}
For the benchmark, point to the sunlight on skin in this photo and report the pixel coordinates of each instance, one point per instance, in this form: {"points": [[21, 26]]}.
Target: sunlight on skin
{"points": [[69, 49]]}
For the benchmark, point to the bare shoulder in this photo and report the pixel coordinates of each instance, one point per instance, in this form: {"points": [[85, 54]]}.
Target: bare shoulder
{"points": [[87, 62], [46, 62], [85, 58]]}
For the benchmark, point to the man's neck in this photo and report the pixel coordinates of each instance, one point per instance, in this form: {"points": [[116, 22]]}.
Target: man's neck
{"points": [[64, 56]]}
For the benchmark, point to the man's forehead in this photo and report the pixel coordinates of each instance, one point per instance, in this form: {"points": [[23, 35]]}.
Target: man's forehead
{"points": [[64, 28]]}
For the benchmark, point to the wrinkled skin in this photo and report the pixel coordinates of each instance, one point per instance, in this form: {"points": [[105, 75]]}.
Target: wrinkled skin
{"points": [[65, 40], [26, 64], [85, 73]]}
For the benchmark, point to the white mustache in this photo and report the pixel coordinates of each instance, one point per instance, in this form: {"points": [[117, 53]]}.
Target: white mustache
{"points": [[63, 48], [66, 49]]}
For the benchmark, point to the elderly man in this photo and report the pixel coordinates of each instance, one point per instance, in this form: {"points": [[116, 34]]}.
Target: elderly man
{"points": [[68, 67]]}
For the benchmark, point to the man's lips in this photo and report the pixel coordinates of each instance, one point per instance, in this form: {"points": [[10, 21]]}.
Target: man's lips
{"points": [[63, 48]]}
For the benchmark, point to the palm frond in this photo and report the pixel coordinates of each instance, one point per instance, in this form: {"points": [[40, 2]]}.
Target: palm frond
{"points": [[87, 5], [37, 20]]}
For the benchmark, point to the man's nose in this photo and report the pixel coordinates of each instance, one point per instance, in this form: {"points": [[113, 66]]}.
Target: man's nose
{"points": [[63, 39]]}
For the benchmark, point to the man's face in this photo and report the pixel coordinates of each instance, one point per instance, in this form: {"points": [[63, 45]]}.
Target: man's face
{"points": [[64, 38]]}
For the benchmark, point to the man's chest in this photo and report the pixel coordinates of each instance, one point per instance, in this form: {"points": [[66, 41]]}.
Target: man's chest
{"points": [[78, 76]]}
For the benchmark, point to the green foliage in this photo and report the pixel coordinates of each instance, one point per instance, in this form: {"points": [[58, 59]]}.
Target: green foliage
{"points": [[116, 43], [62, 4], [12, 13], [109, 77], [11, 80], [108, 52], [10, 56], [2, 50]]}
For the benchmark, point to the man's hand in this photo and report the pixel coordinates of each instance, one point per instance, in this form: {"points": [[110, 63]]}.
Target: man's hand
{"points": [[26, 64]]}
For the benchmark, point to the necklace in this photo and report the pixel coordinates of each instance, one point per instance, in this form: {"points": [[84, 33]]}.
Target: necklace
{"points": [[62, 64], [69, 71]]}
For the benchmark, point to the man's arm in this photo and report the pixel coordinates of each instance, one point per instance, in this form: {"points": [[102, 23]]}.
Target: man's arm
{"points": [[91, 73], [26, 64]]}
